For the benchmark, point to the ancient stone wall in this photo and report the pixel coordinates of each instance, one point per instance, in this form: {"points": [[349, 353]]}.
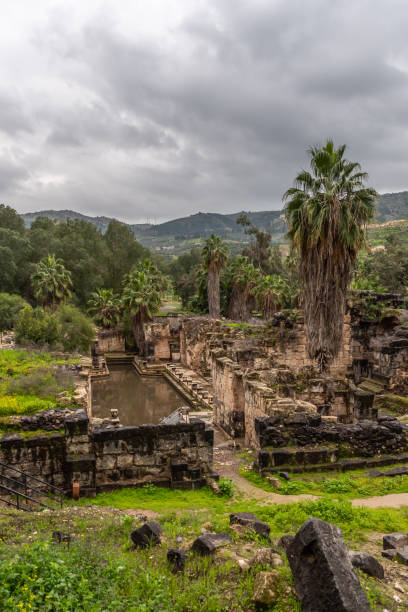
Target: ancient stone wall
{"points": [[302, 438], [41, 456], [111, 341], [165, 455]]}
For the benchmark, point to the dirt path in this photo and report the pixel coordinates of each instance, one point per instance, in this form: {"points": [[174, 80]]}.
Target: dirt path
{"points": [[227, 463], [394, 500]]}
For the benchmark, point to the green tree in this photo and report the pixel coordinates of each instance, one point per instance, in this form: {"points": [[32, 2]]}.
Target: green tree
{"points": [[327, 210], [51, 282], [141, 298], [214, 257], [271, 295], [77, 331], [10, 306], [244, 278], [104, 305], [124, 251], [10, 219]]}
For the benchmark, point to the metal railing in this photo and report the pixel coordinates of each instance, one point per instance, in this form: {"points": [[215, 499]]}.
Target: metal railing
{"points": [[21, 491]]}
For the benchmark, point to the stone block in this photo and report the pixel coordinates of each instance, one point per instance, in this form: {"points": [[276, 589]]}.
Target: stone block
{"points": [[367, 564], [395, 540], [247, 519], [177, 559], [209, 542], [147, 535], [323, 575]]}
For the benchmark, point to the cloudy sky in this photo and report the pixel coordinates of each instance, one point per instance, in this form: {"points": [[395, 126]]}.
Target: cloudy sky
{"points": [[155, 109]]}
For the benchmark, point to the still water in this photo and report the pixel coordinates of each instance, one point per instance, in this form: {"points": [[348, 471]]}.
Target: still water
{"points": [[139, 399]]}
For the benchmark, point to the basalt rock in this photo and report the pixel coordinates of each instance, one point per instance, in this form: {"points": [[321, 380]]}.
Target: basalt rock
{"points": [[252, 521], [147, 534], [367, 564], [324, 578], [177, 558], [395, 540], [209, 542]]}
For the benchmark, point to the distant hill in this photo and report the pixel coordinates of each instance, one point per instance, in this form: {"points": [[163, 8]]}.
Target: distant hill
{"points": [[176, 236], [63, 215], [392, 206]]}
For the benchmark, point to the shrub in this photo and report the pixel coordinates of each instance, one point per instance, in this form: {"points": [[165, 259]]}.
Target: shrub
{"points": [[37, 326], [77, 330], [226, 487], [68, 328], [10, 306]]}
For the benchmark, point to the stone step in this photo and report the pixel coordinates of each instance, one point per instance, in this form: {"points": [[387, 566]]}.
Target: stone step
{"points": [[371, 385]]}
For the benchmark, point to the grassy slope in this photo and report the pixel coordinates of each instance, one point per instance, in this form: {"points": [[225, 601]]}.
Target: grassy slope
{"points": [[99, 571]]}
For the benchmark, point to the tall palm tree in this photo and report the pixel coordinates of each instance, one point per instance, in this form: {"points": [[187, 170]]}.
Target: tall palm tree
{"points": [[141, 297], [214, 257], [327, 210], [51, 282], [271, 294], [104, 305], [244, 279]]}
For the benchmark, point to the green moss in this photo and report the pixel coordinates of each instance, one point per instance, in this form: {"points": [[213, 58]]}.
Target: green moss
{"points": [[393, 404]]}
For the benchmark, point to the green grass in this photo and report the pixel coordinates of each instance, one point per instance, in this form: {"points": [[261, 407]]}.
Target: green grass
{"points": [[392, 404], [99, 571], [333, 485], [29, 381]]}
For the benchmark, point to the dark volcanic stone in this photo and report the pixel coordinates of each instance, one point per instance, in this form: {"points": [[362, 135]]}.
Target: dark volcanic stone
{"points": [[59, 536], [367, 564], [284, 475], [177, 558], [250, 520], [147, 534], [375, 474], [398, 471], [395, 540], [285, 540], [389, 554], [209, 542], [324, 578], [402, 555]]}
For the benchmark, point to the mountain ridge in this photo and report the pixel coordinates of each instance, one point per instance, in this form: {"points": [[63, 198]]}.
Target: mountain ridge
{"points": [[181, 233]]}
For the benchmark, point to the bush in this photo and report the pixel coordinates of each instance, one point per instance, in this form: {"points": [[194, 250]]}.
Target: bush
{"points": [[10, 306], [68, 328], [38, 327], [226, 487], [77, 330]]}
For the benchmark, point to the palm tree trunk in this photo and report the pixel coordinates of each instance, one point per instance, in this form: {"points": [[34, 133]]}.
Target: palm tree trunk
{"points": [[213, 292], [138, 322]]}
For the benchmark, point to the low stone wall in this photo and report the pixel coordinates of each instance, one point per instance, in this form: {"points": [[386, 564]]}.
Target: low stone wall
{"points": [[165, 455], [308, 438], [41, 456], [99, 459]]}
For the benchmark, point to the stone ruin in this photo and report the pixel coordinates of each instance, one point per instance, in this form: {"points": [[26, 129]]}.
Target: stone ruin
{"points": [[269, 396], [263, 391]]}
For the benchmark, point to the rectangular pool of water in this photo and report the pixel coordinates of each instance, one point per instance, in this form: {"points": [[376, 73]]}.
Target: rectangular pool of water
{"points": [[139, 399]]}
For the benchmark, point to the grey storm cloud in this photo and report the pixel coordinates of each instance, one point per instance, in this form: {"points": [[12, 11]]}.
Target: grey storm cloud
{"points": [[128, 114]]}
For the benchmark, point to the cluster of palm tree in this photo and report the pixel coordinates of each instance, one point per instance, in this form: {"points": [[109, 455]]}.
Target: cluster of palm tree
{"points": [[249, 287], [141, 297]]}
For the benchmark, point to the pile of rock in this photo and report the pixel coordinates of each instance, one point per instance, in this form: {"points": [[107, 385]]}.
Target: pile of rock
{"points": [[395, 546]]}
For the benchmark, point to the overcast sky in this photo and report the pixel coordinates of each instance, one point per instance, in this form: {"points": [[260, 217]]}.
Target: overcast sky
{"points": [[155, 109]]}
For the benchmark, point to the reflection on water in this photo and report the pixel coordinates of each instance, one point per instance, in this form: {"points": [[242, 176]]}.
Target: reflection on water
{"points": [[139, 399]]}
